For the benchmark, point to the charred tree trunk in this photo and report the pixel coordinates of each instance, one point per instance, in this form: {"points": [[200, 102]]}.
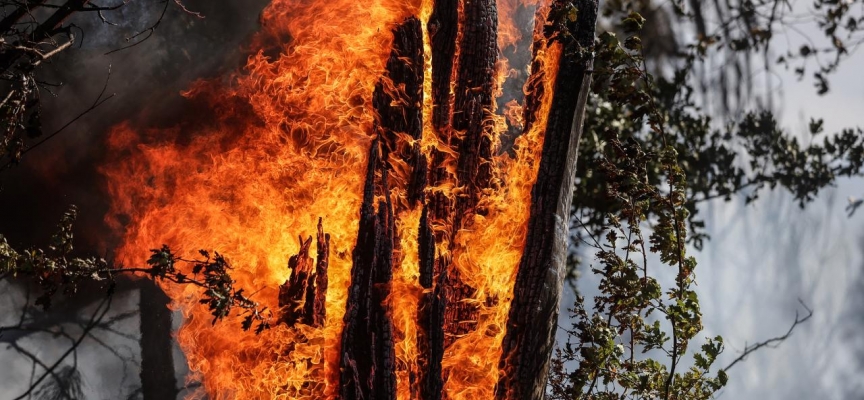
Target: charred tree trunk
{"points": [[368, 363], [368, 357], [463, 38], [527, 345], [157, 361], [443, 29], [475, 76]]}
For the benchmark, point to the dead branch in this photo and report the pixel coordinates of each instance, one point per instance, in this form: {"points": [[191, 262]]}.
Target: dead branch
{"points": [[773, 342]]}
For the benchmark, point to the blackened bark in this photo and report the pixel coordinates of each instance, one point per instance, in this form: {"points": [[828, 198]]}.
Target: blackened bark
{"points": [[157, 361], [430, 336], [443, 27], [475, 80], [533, 314], [426, 251], [368, 355], [398, 101]]}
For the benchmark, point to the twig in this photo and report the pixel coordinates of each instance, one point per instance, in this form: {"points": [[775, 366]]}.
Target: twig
{"points": [[773, 341], [94, 320], [96, 103]]}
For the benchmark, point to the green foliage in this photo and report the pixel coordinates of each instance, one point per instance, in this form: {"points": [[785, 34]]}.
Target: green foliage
{"points": [[661, 115], [649, 156], [55, 270]]}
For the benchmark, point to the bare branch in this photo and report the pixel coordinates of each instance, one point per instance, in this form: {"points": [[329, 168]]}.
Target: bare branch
{"points": [[97, 316], [773, 342]]}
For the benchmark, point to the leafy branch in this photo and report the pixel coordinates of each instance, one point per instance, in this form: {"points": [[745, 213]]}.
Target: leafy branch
{"points": [[55, 270], [634, 340]]}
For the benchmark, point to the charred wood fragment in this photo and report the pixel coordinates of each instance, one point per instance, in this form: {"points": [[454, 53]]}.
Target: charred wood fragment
{"points": [[314, 309], [292, 294], [301, 297], [533, 314]]}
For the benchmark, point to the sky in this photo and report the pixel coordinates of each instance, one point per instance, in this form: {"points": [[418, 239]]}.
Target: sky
{"points": [[766, 257]]}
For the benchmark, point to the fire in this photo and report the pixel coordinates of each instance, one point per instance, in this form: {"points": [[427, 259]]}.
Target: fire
{"points": [[288, 143]]}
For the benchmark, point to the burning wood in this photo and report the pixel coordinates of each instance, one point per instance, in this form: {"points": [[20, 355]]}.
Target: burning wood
{"points": [[443, 219], [368, 361], [301, 298]]}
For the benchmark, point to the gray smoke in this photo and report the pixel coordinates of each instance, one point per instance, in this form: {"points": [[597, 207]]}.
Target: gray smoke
{"points": [[146, 80]]}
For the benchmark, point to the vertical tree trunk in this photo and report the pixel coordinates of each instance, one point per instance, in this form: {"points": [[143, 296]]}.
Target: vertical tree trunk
{"points": [[472, 103], [533, 317], [462, 156], [157, 361], [368, 355]]}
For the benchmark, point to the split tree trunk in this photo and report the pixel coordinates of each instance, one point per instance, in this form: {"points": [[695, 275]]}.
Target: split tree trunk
{"points": [[368, 363], [462, 98]]}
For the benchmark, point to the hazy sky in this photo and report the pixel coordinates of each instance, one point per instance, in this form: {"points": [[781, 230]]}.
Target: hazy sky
{"points": [[767, 256]]}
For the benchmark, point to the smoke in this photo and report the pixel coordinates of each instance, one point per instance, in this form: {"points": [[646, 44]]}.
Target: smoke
{"points": [[146, 80]]}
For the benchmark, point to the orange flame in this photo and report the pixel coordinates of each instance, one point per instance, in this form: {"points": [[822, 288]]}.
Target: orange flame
{"points": [[287, 143]]}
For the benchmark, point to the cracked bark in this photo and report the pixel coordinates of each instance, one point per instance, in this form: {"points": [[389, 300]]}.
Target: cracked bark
{"points": [[527, 345]]}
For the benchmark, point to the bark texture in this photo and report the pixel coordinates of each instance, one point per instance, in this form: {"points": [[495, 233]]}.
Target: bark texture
{"points": [[431, 316], [472, 102], [398, 102], [533, 314], [368, 357], [443, 28], [157, 360], [368, 362]]}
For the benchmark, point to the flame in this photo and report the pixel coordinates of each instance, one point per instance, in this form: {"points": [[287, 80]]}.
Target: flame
{"points": [[286, 142]]}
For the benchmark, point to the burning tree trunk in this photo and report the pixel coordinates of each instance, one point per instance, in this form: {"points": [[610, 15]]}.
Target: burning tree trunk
{"points": [[463, 128], [534, 309]]}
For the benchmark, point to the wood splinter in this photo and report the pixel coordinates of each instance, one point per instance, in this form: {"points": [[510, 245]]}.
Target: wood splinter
{"points": [[301, 297]]}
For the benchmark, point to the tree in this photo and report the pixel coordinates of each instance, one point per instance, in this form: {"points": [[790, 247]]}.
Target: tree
{"points": [[653, 153]]}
